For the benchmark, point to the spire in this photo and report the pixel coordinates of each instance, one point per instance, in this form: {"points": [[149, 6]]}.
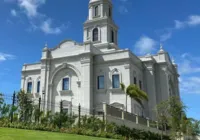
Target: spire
{"points": [[45, 47], [173, 61], [161, 49]]}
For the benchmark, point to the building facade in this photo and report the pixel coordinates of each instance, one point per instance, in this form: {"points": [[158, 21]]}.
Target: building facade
{"points": [[90, 73]]}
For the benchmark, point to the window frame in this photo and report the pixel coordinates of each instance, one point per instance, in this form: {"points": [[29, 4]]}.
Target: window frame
{"points": [[96, 11], [95, 34], [63, 89], [110, 12], [113, 81], [38, 86], [112, 36], [29, 91], [98, 82]]}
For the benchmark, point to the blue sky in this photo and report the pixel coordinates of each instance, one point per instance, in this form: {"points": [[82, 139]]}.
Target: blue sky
{"points": [[26, 25]]}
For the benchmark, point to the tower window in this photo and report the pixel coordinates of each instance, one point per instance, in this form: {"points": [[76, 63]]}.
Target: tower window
{"points": [[96, 11], [112, 36], [110, 14], [95, 34]]}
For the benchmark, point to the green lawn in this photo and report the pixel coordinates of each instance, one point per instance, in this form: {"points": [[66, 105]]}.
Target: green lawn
{"points": [[17, 134]]}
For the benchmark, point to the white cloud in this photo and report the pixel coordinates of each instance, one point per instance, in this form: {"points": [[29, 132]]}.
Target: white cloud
{"points": [[13, 12], [47, 28], [4, 56], [189, 68], [145, 45], [165, 36], [190, 85], [179, 24], [193, 20], [30, 7], [189, 64], [37, 20]]}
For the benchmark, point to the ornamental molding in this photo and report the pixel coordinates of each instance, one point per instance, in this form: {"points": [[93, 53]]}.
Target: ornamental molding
{"points": [[127, 66]]}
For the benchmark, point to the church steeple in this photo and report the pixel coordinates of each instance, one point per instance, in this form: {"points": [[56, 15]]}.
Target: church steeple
{"points": [[100, 28]]}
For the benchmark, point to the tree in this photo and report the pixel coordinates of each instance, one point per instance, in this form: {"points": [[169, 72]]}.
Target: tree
{"points": [[190, 127], [1, 99], [135, 93], [170, 113], [1, 102], [25, 106], [37, 113], [162, 115]]}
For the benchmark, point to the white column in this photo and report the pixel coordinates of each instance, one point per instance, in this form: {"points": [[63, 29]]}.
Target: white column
{"points": [[101, 10]]}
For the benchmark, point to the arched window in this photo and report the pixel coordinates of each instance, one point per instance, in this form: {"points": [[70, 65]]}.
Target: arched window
{"points": [[38, 86], [29, 85], [112, 36], [116, 78], [96, 11], [95, 34], [110, 14]]}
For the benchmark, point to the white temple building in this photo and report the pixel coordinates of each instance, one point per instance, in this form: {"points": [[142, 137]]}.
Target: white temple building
{"points": [[90, 73]]}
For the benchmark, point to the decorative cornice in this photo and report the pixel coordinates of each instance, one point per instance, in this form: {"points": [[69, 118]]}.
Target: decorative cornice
{"points": [[127, 66], [64, 41]]}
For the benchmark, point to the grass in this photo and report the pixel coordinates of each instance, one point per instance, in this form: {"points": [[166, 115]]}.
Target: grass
{"points": [[18, 134]]}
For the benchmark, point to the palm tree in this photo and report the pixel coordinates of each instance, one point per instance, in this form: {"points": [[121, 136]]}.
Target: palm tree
{"points": [[135, 93]]}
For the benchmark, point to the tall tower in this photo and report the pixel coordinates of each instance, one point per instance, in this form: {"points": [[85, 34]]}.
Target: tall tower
{"points": [[100, 28]]}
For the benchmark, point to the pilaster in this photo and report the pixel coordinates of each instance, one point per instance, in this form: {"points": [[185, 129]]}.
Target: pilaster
{"points": [[127, 82], [87, 79], [23, 82], [151, 88]]}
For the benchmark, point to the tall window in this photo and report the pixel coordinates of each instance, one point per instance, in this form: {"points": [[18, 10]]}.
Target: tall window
{"points": [[112, 36], [140, 84], [101, 82], [115, 81], [110, 12], [96, 11], [88, 33], [38, 86], [135, 80], [29, 87], [95, 34], [65, 84]]}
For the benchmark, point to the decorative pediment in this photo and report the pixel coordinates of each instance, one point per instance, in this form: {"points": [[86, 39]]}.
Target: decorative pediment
{"points": [[65, 44]]}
